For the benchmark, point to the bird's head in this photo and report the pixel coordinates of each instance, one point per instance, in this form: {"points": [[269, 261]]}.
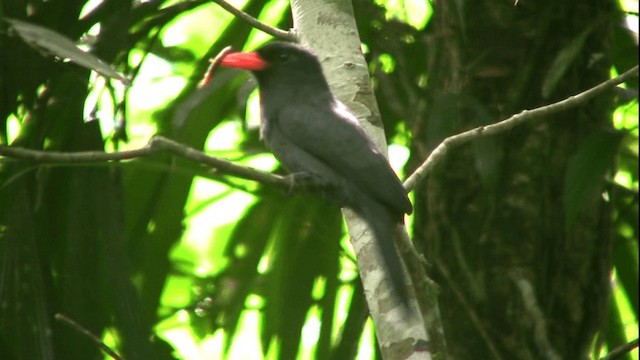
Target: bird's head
{"points": [[279, 63]]}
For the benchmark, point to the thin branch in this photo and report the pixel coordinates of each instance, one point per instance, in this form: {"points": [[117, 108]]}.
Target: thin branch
{"points": [[214, 64], [59, 157], [281, 34], [536, 316], [222, 165], [525, 116], [63, 318], [471, 313], [621, 351], [157, 145]]}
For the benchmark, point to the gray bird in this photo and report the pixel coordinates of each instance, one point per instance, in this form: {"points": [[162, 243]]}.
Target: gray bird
{"points": [[319, 141]]}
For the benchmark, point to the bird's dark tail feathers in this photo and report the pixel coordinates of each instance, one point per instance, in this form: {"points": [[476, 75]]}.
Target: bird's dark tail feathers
{"points": [[383, 224]]}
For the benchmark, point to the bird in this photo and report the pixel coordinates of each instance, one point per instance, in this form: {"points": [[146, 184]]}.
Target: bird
{"points": [[319, 141]]}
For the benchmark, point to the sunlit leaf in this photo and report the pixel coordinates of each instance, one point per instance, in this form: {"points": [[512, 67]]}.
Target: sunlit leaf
{"points": [[51, 42]]}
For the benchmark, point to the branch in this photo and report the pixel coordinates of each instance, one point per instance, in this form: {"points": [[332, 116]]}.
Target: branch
{"points": [[114, 355], [621, 351], [157, 145], [214, 64], [222, 165], [471, 313], [281, 34], [59, 157], [536, 316], [525, 116]]}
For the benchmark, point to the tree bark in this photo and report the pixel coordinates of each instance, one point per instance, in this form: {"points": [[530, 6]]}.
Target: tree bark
{"points": [[329, 29]]}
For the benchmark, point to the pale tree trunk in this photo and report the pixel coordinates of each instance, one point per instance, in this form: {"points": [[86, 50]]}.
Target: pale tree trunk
{"points": [[328, 28]]}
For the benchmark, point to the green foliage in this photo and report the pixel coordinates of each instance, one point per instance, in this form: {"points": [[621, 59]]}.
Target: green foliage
{"points": [[587, 171], [166, 256], [563, 62]]}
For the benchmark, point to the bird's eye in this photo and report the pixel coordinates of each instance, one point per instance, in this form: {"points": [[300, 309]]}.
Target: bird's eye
{"points": [[284, 57]]}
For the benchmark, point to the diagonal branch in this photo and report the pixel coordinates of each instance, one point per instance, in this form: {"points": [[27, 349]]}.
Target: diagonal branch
{"points": [[280, 34], [525, 116], [104, 347], [622, 350], [159, 144], [222, 165]]}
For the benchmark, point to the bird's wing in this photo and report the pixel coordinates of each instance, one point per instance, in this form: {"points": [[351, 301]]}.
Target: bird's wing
{"points": [[333, 136]]}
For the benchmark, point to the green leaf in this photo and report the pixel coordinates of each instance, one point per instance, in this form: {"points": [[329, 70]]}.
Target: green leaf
{"points": [[51, 42], [563, 60], [587, 169], [247, 246], [624, 52], [625, 260], [488, 152], [444, 109], [306, 248], [353, 325]]}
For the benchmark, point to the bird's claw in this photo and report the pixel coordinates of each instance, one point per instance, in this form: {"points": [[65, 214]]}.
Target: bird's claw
{"points": [[303, 180]]}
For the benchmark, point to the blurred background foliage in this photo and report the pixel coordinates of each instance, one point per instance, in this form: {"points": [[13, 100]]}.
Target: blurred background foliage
{"points": [[162, 258]]}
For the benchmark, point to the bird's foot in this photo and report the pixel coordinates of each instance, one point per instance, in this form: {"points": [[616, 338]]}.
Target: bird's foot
{"points": [[304, 180]]}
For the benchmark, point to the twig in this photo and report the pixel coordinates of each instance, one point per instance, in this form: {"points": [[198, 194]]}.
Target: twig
{"points": [[215, 62], [527, 115], [531, 306], [63, 318], [221, 165], [621, 351], [473, 316], [59, 157], [160, 143], [156, 145], [281, 34]]}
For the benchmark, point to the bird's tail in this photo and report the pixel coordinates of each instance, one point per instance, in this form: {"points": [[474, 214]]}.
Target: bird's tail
{"points": [[383, 224]]}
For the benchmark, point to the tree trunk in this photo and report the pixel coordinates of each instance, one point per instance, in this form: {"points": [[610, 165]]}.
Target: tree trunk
{"points": [[329, 29]]}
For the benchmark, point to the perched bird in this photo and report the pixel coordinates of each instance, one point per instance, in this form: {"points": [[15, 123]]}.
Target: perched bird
{"points": [[318, 140]]}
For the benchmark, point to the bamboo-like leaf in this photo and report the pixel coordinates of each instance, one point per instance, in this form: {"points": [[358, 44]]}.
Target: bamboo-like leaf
{"points": [[251, 233], [563, 60], [625, 260], [306, 242], [347, 342], [586, 171], [51, 42]]}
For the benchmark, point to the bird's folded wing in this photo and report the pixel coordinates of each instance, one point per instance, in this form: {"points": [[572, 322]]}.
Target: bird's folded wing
{"points": [[336, 139]]}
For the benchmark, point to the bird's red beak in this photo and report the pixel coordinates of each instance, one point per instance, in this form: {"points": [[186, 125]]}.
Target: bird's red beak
{"points": [[248, 61]]}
